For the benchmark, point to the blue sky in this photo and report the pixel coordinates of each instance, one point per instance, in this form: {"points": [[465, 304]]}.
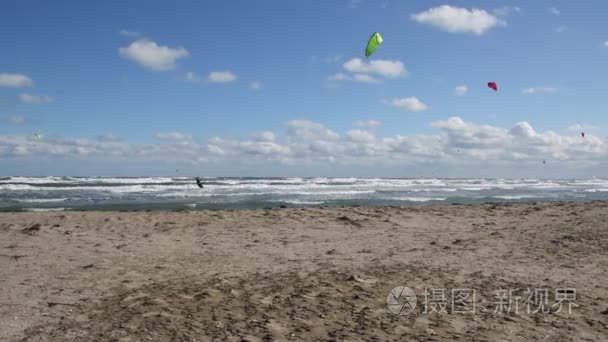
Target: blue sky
{"points": [[283, 88]]}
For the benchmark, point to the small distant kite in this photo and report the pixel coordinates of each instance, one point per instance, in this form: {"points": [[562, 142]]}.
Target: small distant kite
{"points": [[492, 85], [374, 42], [37, 136], [583, 134]]}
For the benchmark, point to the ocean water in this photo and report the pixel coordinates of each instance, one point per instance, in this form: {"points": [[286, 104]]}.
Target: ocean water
{"points": [[182, 193]]}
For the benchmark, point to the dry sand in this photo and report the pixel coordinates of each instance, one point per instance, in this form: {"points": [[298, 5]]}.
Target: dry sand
{"points": [[320, 274]]}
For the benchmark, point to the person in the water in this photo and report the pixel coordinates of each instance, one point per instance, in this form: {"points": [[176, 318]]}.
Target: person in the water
{"points": [[198, 182]]}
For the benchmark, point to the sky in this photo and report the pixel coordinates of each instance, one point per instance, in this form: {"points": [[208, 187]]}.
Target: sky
{"points": [[283, 88]]}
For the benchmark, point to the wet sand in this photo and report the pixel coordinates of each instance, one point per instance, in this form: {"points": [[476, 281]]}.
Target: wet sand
{"points": [[314, 274]]}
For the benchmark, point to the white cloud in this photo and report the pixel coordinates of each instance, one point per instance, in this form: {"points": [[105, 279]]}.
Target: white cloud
{"points": [[458, 20], [15, 80], [384, 68], [129, 33], [410, 104], [577, 128], [360, 136], [255, 85], [366, 72], [214, 149], [221, 76], [364, 78], [35, 99], [266, 136], [453, 142], [176, 136], [461, 90], [539, 90], [367, 124], [309, 129], [522, 129], [152, 56], [554, 11], [263, 148]]}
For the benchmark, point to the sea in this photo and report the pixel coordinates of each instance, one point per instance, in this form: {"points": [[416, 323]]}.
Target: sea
{"points": [[182, 193]]}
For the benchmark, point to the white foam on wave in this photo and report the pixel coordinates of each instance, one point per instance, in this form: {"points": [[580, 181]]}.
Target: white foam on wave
{"points": [[85, 180], [46, 209], [419, 199], [42, 200], [514, 197], [597, 190], [302, 202]]}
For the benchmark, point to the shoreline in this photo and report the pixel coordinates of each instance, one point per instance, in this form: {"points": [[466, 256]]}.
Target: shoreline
{"points": [[194, 207], [298, 273]]}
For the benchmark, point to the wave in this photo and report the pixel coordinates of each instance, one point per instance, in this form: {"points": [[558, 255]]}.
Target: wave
{"points": [[223, 192], [42, 200], [419, 199], [45, 209]]}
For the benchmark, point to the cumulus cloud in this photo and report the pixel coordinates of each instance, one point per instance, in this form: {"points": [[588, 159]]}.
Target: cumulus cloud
{"points": [[152, 56], [176, 136], [577, 128], [361, 136], [384, 68], [221, 76], [15, 80], [539, 90], [266, 136], [358, 70], [410, 104], [35, 99], [452, 141], [309, 129], [214, 149], [457, 19], [263, 148], [461, 90]]}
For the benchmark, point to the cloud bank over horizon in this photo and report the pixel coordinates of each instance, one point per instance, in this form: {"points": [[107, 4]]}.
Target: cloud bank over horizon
{"points": [[455, 146]]}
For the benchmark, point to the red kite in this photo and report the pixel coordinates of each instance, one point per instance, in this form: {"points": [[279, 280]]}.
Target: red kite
{"points": [[492, 85]]}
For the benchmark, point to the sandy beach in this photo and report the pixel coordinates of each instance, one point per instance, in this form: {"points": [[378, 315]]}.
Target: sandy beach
{"points": [[308, 274]]}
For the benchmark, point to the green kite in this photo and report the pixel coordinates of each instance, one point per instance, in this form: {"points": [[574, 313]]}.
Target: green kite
{"points": [[374, 41]]}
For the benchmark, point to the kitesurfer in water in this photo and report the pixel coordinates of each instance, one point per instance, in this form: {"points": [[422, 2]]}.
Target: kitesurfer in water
{"points": [[198, 182]]}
